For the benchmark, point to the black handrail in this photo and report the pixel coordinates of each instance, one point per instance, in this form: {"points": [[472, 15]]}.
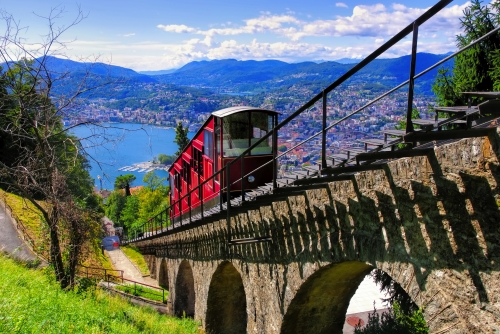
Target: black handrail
{"points": [[412, 27], [109, 280]]}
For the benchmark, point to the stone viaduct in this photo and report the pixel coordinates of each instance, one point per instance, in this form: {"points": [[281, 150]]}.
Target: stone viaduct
{"points": [[431, 222]]}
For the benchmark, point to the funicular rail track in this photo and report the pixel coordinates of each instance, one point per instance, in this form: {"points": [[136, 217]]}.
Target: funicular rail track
{"points": [[365, 154]]}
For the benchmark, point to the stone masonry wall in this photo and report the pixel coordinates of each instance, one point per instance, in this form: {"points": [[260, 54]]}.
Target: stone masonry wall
{"points": [[432, 223]]}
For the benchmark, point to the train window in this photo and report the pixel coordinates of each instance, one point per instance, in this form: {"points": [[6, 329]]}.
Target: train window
{"points": [[177, 179], [261, 124], [244, 129], [197, 161], [236, 134], [208, 144], [186, 172], [171, 183]]}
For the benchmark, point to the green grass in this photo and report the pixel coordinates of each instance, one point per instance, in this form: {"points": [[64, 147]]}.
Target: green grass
{"points": [[27, 214], [136, 258], [142, 291], [32, 302]]}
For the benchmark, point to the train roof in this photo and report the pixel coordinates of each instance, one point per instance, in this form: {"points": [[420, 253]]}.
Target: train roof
{"points": [[221, 113], [234, 110]]}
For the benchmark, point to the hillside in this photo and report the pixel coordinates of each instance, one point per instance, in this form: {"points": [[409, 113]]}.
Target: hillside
{"points": [[255, 76], [230, 75], [34, 303]]}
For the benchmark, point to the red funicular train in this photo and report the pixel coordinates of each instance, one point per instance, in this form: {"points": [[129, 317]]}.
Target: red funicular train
{"points": [[225, 135]]}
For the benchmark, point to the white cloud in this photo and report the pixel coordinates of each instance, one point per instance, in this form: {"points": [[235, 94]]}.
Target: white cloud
{"points": [[128, 35], [177, 28], [366, 21], [288, 38], [341, 4]]}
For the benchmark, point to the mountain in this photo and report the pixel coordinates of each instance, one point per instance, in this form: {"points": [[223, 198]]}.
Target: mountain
{"points": [[256, 76], [235, 76], [348, 60], [60, 65], [158, 72]]}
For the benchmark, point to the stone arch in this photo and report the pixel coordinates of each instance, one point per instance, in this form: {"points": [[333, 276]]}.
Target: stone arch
{"points": [[226, 304], [163, 275], [321, 302], [184, 291]]}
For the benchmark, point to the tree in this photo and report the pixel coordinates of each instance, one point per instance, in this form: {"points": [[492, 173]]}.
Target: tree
{"points": [[475, 69], [403, 315], [181, 137], [282, 148], [153, 181], [114, 206], [394, 321], [39, 159], [130, 212], [166, 159], [151, 203], [124, 182]]}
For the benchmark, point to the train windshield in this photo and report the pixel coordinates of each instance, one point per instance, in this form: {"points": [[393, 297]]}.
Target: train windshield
{"points": [[244, 129]]}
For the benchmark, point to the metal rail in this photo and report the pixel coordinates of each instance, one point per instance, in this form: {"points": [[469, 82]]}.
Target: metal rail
{"points": [[155, 225]]}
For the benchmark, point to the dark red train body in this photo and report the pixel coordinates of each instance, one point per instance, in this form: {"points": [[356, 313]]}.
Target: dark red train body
{"points": [[225, 135]]}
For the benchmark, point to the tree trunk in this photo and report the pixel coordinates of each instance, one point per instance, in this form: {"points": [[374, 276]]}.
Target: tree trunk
{"points": [[55, 250]]}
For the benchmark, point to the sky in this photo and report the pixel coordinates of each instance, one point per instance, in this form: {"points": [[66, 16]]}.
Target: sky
{"points": [[150, 35]]}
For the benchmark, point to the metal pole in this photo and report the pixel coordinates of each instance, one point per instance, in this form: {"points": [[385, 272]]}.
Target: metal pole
{"points": [[220, 188], [200, 192], [242, 178], [180, 210], [189, 205], [409, 123], [228, 202], [275, 149], [323, 140]]}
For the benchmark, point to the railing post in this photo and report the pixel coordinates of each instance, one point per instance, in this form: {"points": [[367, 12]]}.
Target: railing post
{"points": [[228, 201], [161, 220], [200, 193], [189, 205], [275, 149], [180, 210], [220, 188], [409, 123], [323, 139], [242, 178]]}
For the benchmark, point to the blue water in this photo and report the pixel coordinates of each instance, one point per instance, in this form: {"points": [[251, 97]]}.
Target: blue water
{"points": [[115, 145]]}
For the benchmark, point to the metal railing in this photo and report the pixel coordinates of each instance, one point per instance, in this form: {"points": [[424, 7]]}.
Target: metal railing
{"points": [[136, 288], [158, 225], [96, 272]]}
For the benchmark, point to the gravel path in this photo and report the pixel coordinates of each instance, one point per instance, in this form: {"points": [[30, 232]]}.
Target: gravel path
{"points": [[10, 241], [122, 262]]}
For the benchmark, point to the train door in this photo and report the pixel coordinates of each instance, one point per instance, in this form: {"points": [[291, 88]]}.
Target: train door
{"points": [[208, 162]]}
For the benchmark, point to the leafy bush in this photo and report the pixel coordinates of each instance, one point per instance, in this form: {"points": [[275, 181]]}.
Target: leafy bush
{"points": [[394, 321]]}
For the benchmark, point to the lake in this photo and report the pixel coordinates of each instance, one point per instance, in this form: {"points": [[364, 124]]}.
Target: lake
{"points": [[115, 145]]}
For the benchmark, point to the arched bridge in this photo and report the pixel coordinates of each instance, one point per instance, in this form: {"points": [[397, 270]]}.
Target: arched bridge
{"points": [[431, 223]]}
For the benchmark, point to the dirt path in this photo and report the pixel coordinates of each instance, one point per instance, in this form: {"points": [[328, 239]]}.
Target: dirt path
{"points": [[121, 262], [10, 241]]}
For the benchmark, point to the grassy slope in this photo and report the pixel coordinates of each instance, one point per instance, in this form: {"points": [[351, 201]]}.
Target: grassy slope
{"points": [[31, 218], [137, 258], [31, 302], [27, 214]]}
